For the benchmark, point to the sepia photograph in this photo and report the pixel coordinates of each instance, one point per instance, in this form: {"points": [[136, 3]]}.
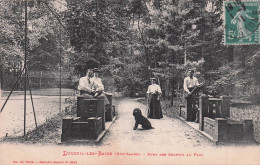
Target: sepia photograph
{"points": [[123, 82]]}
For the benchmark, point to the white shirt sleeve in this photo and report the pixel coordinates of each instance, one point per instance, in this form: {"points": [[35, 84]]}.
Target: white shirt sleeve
{"points": [[100, 85], [97, 84], [159, 89], [83, 85], [149, 89], [196, 81], [80, 86], [185, 85]]}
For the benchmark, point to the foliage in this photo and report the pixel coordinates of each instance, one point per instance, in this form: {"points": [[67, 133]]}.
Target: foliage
{"points": [[131, 41], [42, 34], [11, 41], [131, 79], [220, 80], [248, 112], [237, 81], [88, 27]]}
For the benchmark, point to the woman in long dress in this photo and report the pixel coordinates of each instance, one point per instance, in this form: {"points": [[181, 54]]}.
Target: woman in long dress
{"points": [[153, 94]]}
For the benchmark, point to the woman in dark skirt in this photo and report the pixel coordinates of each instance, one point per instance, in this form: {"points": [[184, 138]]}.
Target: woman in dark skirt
{"points": [[153, 94]]}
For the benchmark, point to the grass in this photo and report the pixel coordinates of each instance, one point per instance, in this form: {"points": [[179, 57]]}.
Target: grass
{"points": [[248, 112], [48, 132], [40, 134]]}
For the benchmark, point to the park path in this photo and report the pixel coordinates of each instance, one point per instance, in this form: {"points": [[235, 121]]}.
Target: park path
{"points": [[171, 142], [168, 132]]}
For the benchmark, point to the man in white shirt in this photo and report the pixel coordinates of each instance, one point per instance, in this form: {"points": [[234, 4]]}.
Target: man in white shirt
{"points": [[85, 85], [190, 82]]}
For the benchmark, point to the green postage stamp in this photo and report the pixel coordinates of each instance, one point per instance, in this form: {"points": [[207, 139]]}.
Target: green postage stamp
{"points": [[241, 22]]}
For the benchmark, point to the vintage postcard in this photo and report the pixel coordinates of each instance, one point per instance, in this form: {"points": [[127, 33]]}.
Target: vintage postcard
{"points": [[129, 82]]}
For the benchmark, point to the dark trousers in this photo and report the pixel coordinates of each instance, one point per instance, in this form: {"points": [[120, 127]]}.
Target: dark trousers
{"points": [[89, 95], [192, 109]]}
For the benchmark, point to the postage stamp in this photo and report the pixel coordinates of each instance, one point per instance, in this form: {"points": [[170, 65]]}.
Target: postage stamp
{"points": [[241, 19]]}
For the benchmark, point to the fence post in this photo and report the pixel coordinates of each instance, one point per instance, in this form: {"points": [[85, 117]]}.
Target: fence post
{"points": [[108, 108], [225, 108], [221, 130], [101, 110], [66, 128], [203, 107], [80, 106], [248, 129]]}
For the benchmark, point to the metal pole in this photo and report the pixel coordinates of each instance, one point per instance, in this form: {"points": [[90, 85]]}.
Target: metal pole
{"points": [[25, 69], [12, 89], [32, 101], [60, 70]]}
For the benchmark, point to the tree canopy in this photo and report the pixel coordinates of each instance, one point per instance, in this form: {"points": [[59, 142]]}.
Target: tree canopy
{"points": [[131, 40]]}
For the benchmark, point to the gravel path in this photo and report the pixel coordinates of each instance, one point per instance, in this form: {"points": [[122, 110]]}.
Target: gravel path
{"points": [[167, 132], [171, 142]]}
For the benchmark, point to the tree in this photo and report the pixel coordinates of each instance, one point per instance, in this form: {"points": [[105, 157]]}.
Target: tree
{"points": [[42, 38], [87, 23]]}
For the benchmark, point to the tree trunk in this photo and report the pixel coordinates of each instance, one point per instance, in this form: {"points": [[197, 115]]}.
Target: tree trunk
{"points": [[143, 42], [1, 77], [172, 85], [230, 54]]}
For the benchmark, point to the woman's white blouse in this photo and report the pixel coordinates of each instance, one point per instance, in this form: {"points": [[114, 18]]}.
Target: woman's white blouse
{"points": [[97, 84], [154, 88]]}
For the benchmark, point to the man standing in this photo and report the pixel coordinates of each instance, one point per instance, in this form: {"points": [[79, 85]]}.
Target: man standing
{"points": [[190, 82], [85, 85]]}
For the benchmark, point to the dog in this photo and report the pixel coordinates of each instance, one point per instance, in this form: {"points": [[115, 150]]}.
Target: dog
{"points": [[140, 119]]}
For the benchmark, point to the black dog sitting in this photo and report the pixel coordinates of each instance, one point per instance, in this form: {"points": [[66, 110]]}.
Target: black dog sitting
{"points": [[140, 119]]}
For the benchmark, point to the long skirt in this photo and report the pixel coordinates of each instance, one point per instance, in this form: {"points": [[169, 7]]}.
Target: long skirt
{"points": [[155, 110]]}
